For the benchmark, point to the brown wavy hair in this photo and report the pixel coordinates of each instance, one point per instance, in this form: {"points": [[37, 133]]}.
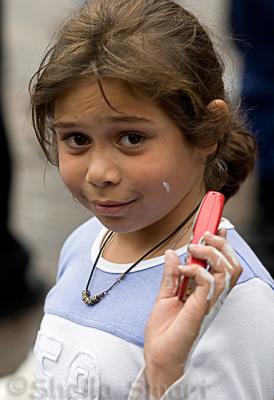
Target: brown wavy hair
{"points": [[160, 48]]}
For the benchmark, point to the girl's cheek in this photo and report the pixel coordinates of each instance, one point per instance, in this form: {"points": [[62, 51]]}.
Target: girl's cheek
{"points": [[68, 178]]}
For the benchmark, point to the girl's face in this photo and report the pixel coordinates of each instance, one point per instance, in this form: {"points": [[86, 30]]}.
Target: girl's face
{"points": [[133, 169]]}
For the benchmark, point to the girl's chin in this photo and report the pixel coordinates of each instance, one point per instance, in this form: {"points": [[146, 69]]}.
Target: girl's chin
{"points": [[119, 225]]}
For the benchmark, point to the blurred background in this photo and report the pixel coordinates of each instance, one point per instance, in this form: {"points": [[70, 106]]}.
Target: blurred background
{"points": [[42, 212]]}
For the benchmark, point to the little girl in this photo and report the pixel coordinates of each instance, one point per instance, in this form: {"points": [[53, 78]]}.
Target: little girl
{"points": [[129, 103]]}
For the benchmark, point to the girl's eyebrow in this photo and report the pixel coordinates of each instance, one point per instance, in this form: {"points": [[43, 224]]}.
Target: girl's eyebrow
{"points": [[127, 118], [108, 119]]}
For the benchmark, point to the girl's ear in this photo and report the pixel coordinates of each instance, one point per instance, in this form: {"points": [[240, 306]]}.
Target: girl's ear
{"points": [[218, 105]]}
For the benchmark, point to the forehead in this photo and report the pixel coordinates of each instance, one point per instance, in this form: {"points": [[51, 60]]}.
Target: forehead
{"points": [[85, 98]]}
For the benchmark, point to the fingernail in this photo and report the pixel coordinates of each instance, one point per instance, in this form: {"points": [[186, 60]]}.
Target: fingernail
{"points": [[207, 233], [193, 247], [170, 254]]}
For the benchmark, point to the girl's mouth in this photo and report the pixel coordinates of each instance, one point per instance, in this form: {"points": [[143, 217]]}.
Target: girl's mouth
{"points": [[111, 207]]}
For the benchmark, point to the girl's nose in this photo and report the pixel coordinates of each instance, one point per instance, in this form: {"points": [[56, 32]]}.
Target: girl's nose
{"points": [[102, 173]]}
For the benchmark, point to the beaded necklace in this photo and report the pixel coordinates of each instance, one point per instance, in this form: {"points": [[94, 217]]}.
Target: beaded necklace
{"points": [[92, 301]]}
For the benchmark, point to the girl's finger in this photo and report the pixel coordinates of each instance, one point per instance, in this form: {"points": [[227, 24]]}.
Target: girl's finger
{"points": [[215, 259], [219, 267], [205, 286], [222, 245], [219, 287], [171, 275], [222, 232], [226, 249]]}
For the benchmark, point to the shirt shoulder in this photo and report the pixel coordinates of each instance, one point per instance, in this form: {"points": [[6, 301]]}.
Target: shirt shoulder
{"points": [[252, 266], [80, 240]]}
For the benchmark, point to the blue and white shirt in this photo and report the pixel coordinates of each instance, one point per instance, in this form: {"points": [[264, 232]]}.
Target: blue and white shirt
{"points": [[96, 352]]}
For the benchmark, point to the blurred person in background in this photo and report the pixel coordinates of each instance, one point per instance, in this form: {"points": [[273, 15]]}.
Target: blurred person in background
{"points": [[17, 291], [253, 29]]}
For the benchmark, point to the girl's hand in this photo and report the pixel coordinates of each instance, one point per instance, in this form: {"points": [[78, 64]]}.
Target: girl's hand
{"points": [[173, 326]]}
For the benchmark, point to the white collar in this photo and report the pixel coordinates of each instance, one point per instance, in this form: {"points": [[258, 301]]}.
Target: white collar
{"points": [[108, 266]]}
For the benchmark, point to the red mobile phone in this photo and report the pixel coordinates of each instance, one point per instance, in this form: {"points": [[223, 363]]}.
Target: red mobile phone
{"points": [[207, 219]]}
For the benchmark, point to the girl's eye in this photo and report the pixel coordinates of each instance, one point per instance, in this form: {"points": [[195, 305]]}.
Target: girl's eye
{"points": [[76, 140], [131, 139]]}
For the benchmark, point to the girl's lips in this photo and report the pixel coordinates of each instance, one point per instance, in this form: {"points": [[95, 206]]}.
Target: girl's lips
{"points": [[111, 208]]}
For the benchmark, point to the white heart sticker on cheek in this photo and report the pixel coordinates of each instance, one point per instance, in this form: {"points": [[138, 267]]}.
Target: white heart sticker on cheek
{"points": [[166, 186]]}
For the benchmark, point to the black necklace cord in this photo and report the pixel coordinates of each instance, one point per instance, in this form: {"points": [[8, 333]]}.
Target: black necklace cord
{"points": [[91, 301], [106, 241]]}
